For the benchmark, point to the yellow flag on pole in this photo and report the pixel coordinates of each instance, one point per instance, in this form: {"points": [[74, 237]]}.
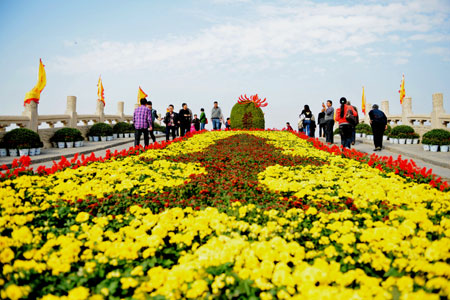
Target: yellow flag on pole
{"points": [[35, 93], [141, 94], [363, 103], [402, 90], [100, 91]]}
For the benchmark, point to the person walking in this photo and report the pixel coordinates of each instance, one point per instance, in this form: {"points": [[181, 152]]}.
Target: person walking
{"points": [[321, 121], [154, 116], [346, 117], [185, 117], [329, 121], [307, 119], [142, 121], [196, 123], [378, 122], [171, 121], [203, 119], [216, 116], [356, 123]]}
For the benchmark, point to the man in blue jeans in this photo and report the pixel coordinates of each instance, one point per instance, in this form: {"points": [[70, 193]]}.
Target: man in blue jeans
{"points": [[142, 121], [216, 116]]}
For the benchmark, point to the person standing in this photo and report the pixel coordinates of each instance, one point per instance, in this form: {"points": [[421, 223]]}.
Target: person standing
{"points": [[185, 117], [378, 122], [321, 121], [346, 117], [307, 118], [216, 116], [202, 119], [329, 121], [228, 123], [356, 123], [142, 121], [154, 117], [196, 123], [171, 121]]}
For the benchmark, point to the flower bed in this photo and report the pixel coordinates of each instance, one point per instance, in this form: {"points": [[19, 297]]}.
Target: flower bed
{"points": [[233, 214]]}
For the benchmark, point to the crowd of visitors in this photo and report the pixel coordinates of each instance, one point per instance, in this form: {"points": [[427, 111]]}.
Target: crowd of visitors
{"points": [[180, 123], [346, 116]]}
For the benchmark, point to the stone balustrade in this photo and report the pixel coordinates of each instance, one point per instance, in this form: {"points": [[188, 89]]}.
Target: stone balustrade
{"points": [[32, 120], [420, 122]]}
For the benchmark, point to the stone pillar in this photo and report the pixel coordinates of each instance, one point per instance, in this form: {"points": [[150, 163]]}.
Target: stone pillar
{"points": [[438, 109], [406, 110], [71, 110], [385, 107], [120, 113], [31, 112], [100, 111]]}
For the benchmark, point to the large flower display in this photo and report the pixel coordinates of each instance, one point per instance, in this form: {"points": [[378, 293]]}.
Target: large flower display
{"points": [[225, 214]]}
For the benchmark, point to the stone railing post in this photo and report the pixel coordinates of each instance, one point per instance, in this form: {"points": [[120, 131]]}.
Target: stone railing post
{"points": [[31, 112], [100, 111], [120, 113], [71, 110], [438, 109], [366, 117], [406, 110]]}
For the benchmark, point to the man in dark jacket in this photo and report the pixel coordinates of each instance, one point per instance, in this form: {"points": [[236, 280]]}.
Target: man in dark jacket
{"points": [[171, 120], [185, 116], [378, 121], [321, 121]]}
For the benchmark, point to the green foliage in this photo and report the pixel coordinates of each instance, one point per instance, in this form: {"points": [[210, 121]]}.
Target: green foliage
{"points": [[388, 130], [100, 129], [158, 127], [336, 131], [363, 128], [22, 138], [67, 135], [120, 127], [436, 137], [402, 132], [247, 116]]}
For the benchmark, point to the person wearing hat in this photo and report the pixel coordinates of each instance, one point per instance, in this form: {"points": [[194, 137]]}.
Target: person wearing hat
{"points": [[378, 122], [345, 116]]}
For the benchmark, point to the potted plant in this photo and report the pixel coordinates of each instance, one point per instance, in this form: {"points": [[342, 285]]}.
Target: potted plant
{"points": [[400, 133], [3, 151], [120, 128], [337, 132], [39, 146], [79, 141], [361, 129], [66, 137], [100, 131], [20, 139], [435, 138]]}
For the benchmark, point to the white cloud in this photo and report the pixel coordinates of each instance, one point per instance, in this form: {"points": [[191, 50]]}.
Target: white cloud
{"points": [[275, 33]]}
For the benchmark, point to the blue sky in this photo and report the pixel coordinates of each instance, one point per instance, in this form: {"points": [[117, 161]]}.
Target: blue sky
{"points": [[291, 52]]}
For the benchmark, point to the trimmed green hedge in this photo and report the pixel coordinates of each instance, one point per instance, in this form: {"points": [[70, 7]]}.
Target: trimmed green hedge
{"points": [[403, 132], [100, 129], [363, 128], [22, 138], [121, 127], [67, 135], [436, 137], [247, 116]]}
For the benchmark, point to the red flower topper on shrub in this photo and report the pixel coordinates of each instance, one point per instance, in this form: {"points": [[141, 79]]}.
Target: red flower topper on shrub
{"points": [[253, 98]]}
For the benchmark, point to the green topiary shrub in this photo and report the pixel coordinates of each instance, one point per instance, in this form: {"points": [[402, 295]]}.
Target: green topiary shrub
{"points": [[436, 137], [22, 138], [336, 131], [158, 127], [388, 130], [67, 135], [363, 128], [100, 129], [121, 127], [247, 116], [402, 132]]}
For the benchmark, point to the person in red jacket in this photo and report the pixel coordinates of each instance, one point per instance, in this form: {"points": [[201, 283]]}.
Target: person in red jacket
{"points": [[345, 116]]}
